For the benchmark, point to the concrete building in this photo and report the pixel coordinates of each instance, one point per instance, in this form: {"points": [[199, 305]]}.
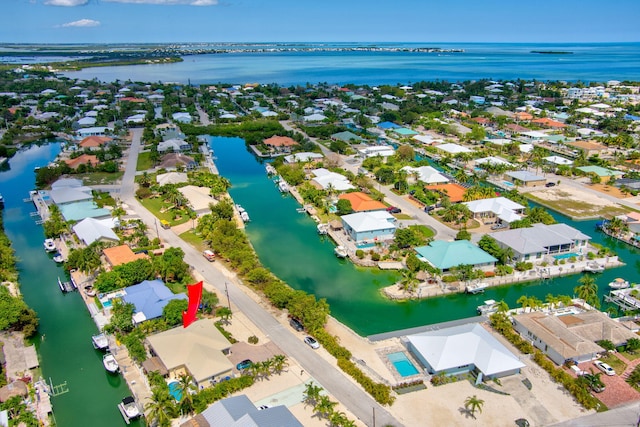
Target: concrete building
{"points": [[369, 227]]}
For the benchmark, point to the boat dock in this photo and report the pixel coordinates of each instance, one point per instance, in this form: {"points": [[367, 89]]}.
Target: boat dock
{"points": [[623, 299], [38, 199], [66, 286]]}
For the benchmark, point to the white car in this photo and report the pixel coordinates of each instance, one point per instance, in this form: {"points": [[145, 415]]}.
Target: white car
{"points": [[604, 368], [311, 342]]}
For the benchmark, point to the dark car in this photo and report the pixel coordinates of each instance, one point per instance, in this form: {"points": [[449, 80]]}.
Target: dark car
{"points": [[393, 210], [550, 184], [429, 209], [245, 364], [296, 324]]}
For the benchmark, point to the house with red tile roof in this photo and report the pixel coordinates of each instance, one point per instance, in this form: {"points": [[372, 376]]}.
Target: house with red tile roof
{"points": [[280, 143], [83, 159], [95, 142], [455, 192], [132, 99], [122, 254], [482, 121], [546, 122], [523, 116], [361, 202]]}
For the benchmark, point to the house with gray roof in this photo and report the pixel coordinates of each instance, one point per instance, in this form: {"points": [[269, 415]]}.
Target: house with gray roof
{"points": [[238, 411], [461, 349], [90, 230], [369, 227], [525, 178], [67, 195], [302, 157], [176, 145], [446, 255], [571, 336], [346, 136], [533, 243], [504, 210]]}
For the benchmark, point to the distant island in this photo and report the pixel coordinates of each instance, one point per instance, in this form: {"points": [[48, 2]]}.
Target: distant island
{"points": [[552, 52]]}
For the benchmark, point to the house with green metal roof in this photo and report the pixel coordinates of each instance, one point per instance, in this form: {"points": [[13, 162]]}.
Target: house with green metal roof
{"points": [[405, 131], [347, 137], [604, 173], [446, 255]]}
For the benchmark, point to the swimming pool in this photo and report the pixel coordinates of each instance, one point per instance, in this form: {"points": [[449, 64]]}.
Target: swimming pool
{"points": [[107, 303], [175, 391], [507, 183], [565, 256], [402, 364]]}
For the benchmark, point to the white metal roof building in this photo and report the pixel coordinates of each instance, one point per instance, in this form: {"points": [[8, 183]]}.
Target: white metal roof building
{"points": [[501, 207], [367, 227], [238, 411], [463, 349], [325, 179], [90, 229], [426, 174]]}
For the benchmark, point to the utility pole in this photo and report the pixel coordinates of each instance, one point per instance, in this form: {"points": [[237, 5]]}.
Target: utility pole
{"points": [[374, 416], [226, 291], [157, 233]]}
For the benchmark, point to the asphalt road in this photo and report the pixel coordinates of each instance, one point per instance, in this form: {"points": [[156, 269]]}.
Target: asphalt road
{"points": [[359, 403]]}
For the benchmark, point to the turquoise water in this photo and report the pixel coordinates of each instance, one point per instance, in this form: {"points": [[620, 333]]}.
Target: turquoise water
{"points": [[174, 390], [64, 341], [589, 62], [402, 364], [508, 184], [288, 244]]}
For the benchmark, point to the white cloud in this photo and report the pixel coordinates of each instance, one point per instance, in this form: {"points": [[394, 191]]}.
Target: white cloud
{"points": [[165, 2], [66, 2], [82, 23]]}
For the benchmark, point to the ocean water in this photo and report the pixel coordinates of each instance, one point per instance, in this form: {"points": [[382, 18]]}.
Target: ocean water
{"points": [[587, 62]]}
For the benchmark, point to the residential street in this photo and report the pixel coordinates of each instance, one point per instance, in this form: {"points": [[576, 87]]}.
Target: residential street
{"points": [[332, 379]]}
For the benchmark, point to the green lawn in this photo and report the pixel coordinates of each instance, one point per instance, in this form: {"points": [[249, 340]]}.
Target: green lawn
{"points": [[156, 204], [194, 240], [424, 231], [618, 365], [98, 178], [631, 356], [144, 161]]}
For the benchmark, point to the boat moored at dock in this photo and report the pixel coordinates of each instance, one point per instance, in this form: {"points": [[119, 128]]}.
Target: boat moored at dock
{"points": [[58, 258], [66, 286], [100, 342], [594, 267], [50, 245], [283, 186], [490, 306], [619, 283], [323, 229], [129, 409], [110, 363], [341, 251], [476, 288]]}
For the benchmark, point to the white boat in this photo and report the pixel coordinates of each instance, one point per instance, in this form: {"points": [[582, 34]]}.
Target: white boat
{"points": [[323, 228], [619, 284], [270, 169], [50, 245], [489, 306], [66, 286], [58, 257], [476, 288], [100, 342], [283, 186], [110, 363], [341, 251], [129, 409], [594, 267], [245, 216], [240, 208]]}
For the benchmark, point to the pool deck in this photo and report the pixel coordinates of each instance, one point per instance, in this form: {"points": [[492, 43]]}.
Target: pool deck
{"points": [[425, 328]]}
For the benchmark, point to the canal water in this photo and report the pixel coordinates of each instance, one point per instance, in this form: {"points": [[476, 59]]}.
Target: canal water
{"points": [[288, 244], [64, 340]]}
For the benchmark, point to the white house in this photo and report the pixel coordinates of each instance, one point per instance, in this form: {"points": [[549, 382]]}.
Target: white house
{"points": [[507, 211], [426, 174], [326, 179], [377, 150], [369, 227], [464, 348]]}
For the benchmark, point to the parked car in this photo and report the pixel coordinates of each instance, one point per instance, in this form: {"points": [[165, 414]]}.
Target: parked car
{"points": [[608, 370], [550, 184], [499, 226], [245, 364], [393, 210], [296, 324], [311, 342]]}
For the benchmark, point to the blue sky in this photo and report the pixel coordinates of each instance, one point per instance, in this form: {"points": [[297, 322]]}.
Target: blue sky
{"points": [[111, 21]]}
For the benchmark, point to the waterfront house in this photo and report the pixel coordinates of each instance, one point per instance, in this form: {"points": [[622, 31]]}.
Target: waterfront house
{"points": [[361, 202], [87, 122], [453, 149], [95, 142], [97, 131], [181, 117], [533, 243], [376, 150], [426, 174], [369, 227], [461, 349], [303, 157], [121, 254], [387, 125], [446, 255], [495, 209], [524, 178], [570, 335], [90, 230], [174, 144], [557, 161], [548, 123], [172, 160], [280, 144], [325, 179], [238, 411], [199, 350], [346, 136], [149, 299], [82, 159]]}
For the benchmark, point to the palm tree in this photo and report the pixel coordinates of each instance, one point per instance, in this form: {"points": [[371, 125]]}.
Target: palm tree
{"points": [[324, 406], [473, 404], [552, 300], [524, 301], [157, 409], [409, 282], [279, 363], [311, 394], [186, 388], [503, 307], [588, 291]]}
